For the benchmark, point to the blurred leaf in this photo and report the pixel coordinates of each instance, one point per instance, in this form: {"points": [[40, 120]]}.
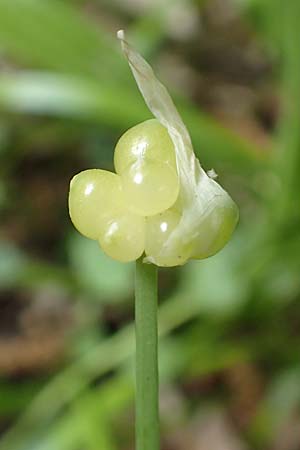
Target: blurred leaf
{"points": [[97, 410], [268, 23], [54, 94], [287, 157], [282, 399], [16, 396], [38, 273], [211, 353], [281, 283], [45, 93], [3, 137], [66, 436], [219, 285], [215, 145], [12, 264], [54, 35], [147, 33], [19, 271], [105, 278], [89, 423]]}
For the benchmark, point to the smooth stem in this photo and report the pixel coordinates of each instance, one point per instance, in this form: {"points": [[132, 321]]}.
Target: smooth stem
{"points": [[147, 421]]}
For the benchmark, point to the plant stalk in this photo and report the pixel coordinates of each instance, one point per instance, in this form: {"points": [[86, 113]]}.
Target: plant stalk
{"points": [[147, 416]]}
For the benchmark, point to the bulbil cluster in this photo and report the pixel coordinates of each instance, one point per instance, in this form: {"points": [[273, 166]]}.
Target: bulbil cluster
{"points": [[136, 209], [128, 211]]}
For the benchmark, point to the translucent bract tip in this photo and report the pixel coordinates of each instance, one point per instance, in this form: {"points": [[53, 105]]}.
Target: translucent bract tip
{"points": [[121, 34]]}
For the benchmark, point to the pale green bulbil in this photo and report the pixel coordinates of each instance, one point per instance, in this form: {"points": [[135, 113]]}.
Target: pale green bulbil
{"points": [[216, 230], [123, 237], [149, 187], [98, 211], [158, 231], [149, 140], [94, 195], [145, 160]]}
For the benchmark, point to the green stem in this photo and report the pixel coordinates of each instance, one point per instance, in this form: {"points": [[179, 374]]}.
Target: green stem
{"points": [[147, 421]]}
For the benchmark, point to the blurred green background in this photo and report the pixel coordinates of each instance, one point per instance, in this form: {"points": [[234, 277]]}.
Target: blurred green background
{"points": [[230, 325]]}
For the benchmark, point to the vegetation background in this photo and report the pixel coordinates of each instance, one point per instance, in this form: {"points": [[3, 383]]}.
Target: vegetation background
{"points": [[230, 325]]}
